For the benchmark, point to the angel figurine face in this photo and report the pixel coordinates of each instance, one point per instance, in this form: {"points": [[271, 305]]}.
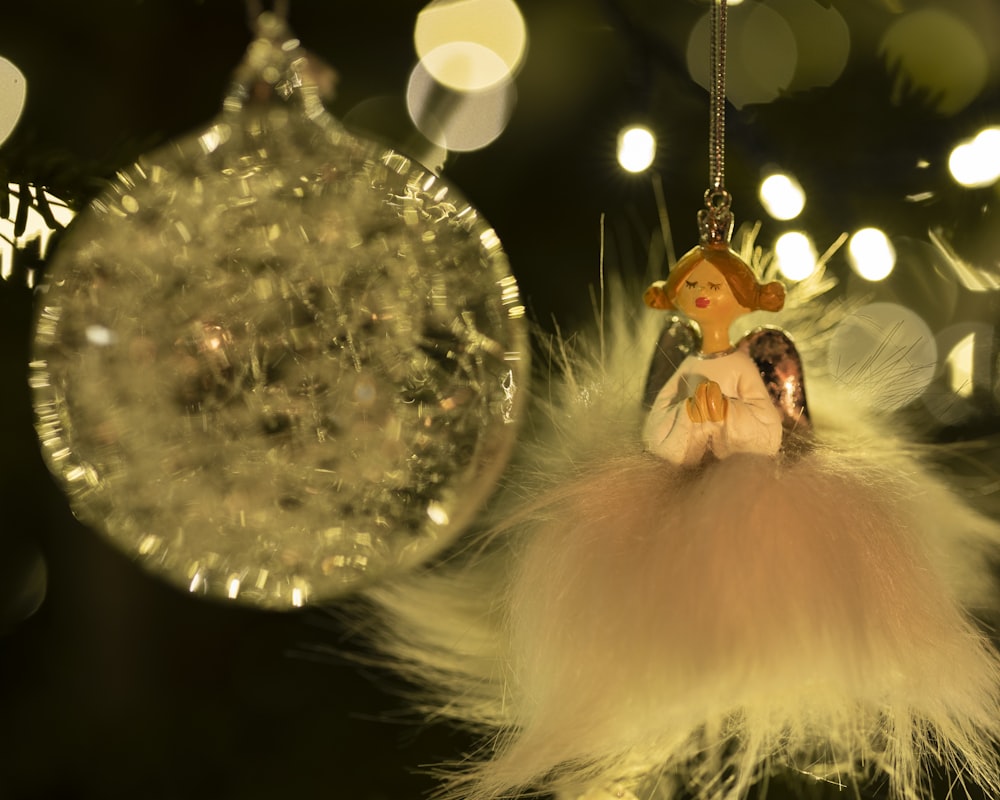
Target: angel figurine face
{"points": [[705, 296], [714, 287]]}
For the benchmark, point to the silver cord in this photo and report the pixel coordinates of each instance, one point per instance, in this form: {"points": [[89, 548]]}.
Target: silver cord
{"points": [[716, 219], [717, 99]]}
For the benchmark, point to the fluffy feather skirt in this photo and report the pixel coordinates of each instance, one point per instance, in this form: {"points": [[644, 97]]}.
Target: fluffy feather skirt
{"points": [[629, 626]]}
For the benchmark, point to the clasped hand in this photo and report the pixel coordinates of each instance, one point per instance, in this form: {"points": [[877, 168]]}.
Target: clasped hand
{"points": [[708, 404]]}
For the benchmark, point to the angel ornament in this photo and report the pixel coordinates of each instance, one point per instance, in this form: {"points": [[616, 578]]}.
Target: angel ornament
{"points": [[737, 594], [716, 402], [682, 605], [729, 588]]}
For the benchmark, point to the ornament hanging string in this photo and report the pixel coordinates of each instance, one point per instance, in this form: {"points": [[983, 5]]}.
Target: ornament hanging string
{"points": [[715, 221]]}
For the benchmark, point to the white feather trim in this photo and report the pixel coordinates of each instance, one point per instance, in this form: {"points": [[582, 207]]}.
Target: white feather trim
{"points": [[629, 626]]}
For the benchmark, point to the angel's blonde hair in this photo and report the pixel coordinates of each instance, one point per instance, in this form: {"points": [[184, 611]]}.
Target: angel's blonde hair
{"points": [[741, 279]]}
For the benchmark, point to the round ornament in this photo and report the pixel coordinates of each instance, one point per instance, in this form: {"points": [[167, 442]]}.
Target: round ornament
{"points": [[274, 360]]}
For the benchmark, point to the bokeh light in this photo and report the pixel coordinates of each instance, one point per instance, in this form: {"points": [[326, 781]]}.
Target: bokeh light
{"points": [[762, 54], [871, 254], [967, 365], [386, 118], [823, 38], [636, 148], [458, 121], [960, 363], [884, 354], [465, 66], [782, 196], [796, 255], [35, 228], [470, 45], [977, 162], [13, 90], [965, 371], [936, 56], [971, 276]]}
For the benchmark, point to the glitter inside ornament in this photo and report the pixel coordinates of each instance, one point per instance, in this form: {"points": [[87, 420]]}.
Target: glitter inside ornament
{"points": [[273, 359]]}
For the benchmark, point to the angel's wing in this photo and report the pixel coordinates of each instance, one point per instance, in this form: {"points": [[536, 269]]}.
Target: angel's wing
{"points": [[781, 370], [678, 340]]}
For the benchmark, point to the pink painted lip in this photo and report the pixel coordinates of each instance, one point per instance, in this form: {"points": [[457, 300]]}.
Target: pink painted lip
{"points": [[702, 302]]}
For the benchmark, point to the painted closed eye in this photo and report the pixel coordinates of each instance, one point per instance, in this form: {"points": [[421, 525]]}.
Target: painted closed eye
{"points": [[715, 286], [691, 284]]}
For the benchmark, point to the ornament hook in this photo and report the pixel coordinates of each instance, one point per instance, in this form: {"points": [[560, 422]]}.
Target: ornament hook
{"points": [[715, 221]]}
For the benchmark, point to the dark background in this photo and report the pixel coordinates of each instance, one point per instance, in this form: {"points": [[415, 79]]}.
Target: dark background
{"points": [[118, 686]]}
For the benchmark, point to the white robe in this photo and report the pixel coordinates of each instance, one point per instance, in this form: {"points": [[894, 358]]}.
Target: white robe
{"points": [[752, 424]]}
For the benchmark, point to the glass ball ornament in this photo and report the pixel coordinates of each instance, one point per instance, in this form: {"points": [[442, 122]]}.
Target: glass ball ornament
{"points": [[274, 360]]}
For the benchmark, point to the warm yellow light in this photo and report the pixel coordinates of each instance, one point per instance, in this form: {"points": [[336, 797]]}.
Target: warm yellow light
{"points": [[987, 144], [962, 164], [465, 66], [884, 354], [937, 57], [438, 514], [782, 196], [36, 227], [989, 140], [796, 255], [13, 88], [977, 162], [762, 54], [470, 45], [960, 361], [636, 148], [458, 121], [871, 254]]}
